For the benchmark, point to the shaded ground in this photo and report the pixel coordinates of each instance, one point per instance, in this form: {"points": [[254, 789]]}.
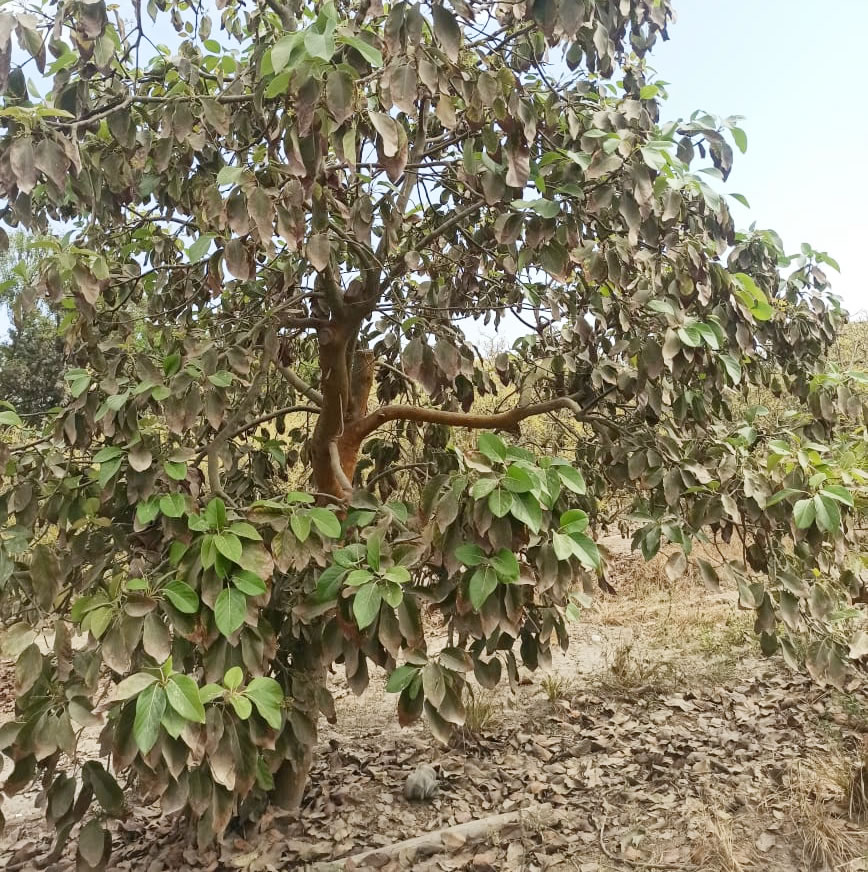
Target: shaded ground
{"points": [[658, 741]]}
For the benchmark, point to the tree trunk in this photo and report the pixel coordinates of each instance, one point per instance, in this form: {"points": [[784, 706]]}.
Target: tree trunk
{"points": [[309, 670], [291, 779], [347, 377]]}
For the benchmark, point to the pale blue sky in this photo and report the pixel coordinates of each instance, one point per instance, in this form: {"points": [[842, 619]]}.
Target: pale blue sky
{"points": [[793, 68], [796, 70]]}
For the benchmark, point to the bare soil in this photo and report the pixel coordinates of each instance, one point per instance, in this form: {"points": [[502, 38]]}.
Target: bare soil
{"points": [[660, 740]]}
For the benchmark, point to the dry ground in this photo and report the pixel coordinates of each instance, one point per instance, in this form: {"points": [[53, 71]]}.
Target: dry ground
{"points": [[659, 741]]}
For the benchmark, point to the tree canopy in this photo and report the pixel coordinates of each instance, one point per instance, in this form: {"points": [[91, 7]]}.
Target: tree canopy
{"points": [[285, 230]]}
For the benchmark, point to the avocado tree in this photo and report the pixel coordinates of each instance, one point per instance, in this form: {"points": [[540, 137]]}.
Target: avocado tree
{"points": [[287, 227], [31, 354]]}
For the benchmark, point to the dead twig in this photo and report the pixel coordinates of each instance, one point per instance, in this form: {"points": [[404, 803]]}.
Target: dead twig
{"points": [[638, 864]]}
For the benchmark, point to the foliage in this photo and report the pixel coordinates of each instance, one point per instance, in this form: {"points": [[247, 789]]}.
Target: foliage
{"points": [[306, 211], [31, 356], [31, 365]]}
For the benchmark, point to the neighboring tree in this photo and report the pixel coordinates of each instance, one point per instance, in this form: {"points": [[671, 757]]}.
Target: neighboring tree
{"points": [[31, 365], [31, 355], [289, 226]]}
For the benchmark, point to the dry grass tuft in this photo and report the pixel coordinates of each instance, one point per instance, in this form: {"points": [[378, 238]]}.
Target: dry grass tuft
{"points": [[816, 788], [630, 671], [717, 851], [555, 687], [482, 710]]}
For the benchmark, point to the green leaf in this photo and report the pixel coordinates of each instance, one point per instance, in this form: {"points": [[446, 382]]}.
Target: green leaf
{"points": [[209, 692], [300, 523], [278, 85], [543, 208], [371, 54], [108, 470], [740, 138], [572, 479], [505, 564], [470, 555], [132, 686], [150, 707], [482, 488], [374, 544], [282, 49], [200, 247], [147, 511], [183, 695], [229, 176], [249, 583], [804, 513], [230, 609], [229, 545], [245, 530], [492, 447], [499, 502], [839, 493], [752, 297], [585, 549], [319, 45], [690, 336], [110, 452], [563, 546], [649, 92], [517, 480], [782, 494], [266, 695], [182, 597], [215, 514], [242, 706], [827, 512], [526, 509], [397, 574], [401, 678], [175, 469], [173, 505], [221, 379], [358, 577], [366, 604], [10, 419], [732, 367], [574, 521], [482, 584], [329, 583], [326, 522], [233, 678]]}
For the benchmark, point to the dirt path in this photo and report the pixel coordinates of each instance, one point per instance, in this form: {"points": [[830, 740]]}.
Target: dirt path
{"points": [[658, 738]]}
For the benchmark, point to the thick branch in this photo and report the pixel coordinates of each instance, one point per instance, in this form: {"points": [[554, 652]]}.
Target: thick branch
{"points": [[498, 421]]}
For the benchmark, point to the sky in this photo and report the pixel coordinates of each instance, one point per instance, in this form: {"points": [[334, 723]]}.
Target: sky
{"points": [[795, 70]]}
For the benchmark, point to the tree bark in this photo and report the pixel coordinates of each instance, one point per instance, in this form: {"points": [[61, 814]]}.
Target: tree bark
{"points": [[291, 778], [347, 377]]}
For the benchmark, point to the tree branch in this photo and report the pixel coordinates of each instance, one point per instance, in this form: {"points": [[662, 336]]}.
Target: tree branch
{"points": [[498, 421], [232, 424], [243, 428], [300, 385], [457, 218], [411, 175], [337, 468]]}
